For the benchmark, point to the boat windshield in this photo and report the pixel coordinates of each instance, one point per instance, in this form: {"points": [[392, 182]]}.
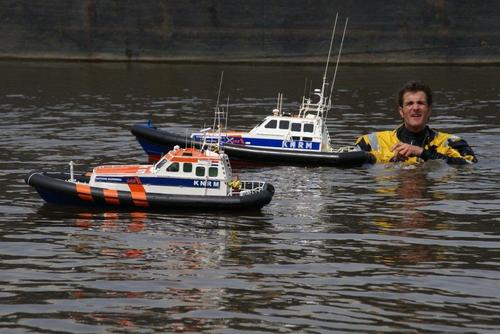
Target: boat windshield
{"points": [[255, 127], [160, 164]]}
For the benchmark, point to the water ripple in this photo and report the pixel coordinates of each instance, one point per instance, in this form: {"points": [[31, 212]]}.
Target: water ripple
{"points": [[368, 249]]}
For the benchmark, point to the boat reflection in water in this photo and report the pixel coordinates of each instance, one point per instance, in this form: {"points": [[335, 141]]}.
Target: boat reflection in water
{"points": [[149, 251]]}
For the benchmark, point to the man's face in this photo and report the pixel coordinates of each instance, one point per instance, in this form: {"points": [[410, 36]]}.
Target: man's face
{"points": [[415, 111]]}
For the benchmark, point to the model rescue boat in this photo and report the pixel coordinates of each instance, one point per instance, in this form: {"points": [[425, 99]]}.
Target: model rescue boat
{"points": [[183, 178]]}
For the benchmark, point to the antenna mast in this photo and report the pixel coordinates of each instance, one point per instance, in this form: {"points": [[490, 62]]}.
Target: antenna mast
{"points": [[321, 103], [330, 50], [217, 120], [227, 114], [338, 59]]}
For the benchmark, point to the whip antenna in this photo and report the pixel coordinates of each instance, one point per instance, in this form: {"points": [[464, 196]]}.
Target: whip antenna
{"points": [[220, 87], [338, 59], [227, 114], [330, 50], [217, 115]]}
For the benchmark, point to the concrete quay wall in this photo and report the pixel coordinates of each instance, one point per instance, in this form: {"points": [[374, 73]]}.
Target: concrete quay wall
{"points": [[294, 31]]}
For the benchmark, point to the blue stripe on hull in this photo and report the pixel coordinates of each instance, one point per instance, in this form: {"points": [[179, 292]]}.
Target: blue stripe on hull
{"points": [[160, 150], [266, 142], [286, 145]]}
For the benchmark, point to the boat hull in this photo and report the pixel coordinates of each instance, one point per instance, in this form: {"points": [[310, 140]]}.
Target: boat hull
{"points": [[157, 142], [53, 188], [341, 159]]}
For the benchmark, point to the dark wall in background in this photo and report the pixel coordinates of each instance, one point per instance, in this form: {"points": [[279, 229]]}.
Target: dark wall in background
{"points": [[439, 31]]}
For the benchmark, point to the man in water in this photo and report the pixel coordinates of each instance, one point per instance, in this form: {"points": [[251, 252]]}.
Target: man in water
{"points": [[414, 141]]}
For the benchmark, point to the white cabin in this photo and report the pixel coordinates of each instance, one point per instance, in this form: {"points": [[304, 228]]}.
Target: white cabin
{"points": [[181, 172]]}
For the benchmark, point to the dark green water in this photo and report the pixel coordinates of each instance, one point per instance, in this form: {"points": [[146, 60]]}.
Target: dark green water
{"points": [[364, 250]]}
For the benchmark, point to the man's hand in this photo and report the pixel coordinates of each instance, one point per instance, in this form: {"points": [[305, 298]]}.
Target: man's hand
{"points": [[403, 151]]}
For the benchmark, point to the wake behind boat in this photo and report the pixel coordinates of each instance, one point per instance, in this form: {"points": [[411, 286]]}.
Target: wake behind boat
{"points": [[183, 179], [299, 138]]}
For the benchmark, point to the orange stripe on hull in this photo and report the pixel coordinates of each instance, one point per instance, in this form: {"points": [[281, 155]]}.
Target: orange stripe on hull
{"points": [[111, 196], [84, 192], [138, 193], [139, 199]]}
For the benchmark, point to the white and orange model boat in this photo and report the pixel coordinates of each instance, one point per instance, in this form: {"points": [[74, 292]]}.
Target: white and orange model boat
{"points": [[183, 178]]}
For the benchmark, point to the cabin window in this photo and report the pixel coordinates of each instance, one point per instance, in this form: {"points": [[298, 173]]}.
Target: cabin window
{"points": [[307, 139], [174, 167], [284, 125], [271, 124], [295, 138], [187, 167], [308, 127], [213, 171], [259, 124], [200, 171], [161, 163], [296, 127]]}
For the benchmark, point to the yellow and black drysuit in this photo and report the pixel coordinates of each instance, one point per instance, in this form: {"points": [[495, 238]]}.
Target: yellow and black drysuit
{"points": [[436, 145]]}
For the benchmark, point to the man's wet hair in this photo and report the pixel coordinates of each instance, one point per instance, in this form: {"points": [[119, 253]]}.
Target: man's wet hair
{"points": [[415, 86]]}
